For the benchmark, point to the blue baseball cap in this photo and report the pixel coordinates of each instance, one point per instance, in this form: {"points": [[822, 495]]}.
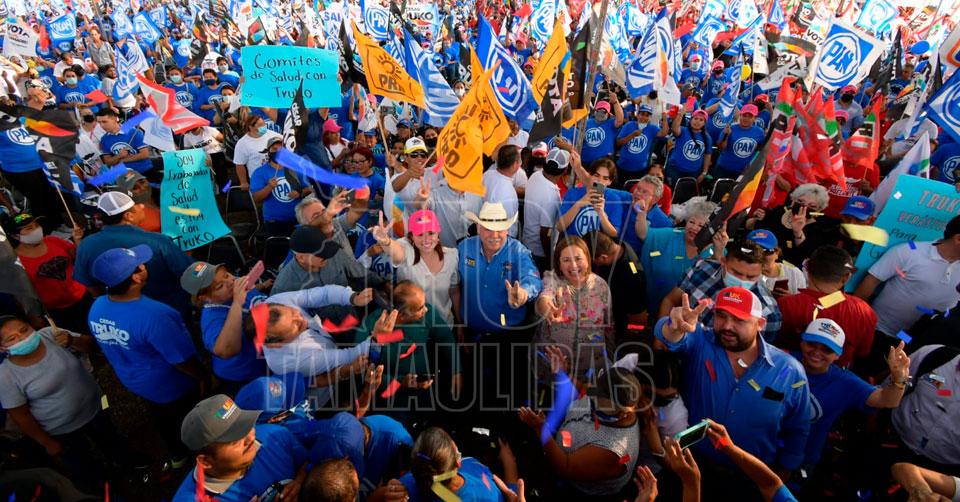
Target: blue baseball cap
{"points": [[340, 436], [272, 394], [114, 266], [827, 332], [644, 108], [371, 132], [859, 207], [405, 123], [764, 239]]}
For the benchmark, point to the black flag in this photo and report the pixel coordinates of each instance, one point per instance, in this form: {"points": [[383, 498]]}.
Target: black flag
{"points": [[295, 132], [354, 68], [549, 117], [578, 68]]}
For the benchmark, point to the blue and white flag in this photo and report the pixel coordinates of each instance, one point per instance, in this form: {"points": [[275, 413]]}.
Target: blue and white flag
{"points": [[159, 16], [733, 8], [135, 56], [542, 19], [707, 28], [776, 16], [439, 98], [748, 14], [76, 187], [724, 114], [126, 77], [146, 29], [665, 78], [944, 106], [637, 22], [394, 48], [63, 29], [511, 86], [845, 57], [122, 27], [615, 33], [376, 20], [747, 38], [877, 15], [640, 72]]}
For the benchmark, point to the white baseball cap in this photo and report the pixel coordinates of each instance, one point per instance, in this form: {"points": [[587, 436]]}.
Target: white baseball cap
{"points": [[114, 203], [827, 332]]}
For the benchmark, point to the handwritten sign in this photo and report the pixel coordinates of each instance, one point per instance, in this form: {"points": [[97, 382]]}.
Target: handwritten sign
{"points": [[273, 74], [918, 210], [188, 206]]}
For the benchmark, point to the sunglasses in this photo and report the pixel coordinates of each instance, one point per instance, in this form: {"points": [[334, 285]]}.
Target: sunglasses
{"points": [[417, 155]]}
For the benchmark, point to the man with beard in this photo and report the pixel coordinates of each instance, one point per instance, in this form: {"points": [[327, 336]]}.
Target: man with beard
{"points": [[733, 376]]}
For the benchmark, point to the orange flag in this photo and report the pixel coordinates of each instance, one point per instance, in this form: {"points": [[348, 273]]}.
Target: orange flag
{"points": [[385, 76]]}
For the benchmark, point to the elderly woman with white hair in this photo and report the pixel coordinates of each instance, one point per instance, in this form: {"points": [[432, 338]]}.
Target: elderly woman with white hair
{"points": [[669, 252], [800, 225]]}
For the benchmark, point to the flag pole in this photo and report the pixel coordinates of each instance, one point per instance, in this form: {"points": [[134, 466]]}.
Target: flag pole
{"points": [[69, 214], [596, 37]]}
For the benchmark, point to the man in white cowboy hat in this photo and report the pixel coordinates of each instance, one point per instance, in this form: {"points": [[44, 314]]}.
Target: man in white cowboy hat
{"points": [[497, 273]]}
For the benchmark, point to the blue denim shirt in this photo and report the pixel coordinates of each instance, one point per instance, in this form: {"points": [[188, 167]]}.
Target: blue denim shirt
{"points": [[483, 295]]}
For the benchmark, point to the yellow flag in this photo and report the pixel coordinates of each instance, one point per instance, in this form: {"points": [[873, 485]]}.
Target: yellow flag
{"points": [[550, 60], [476, 69], [385, 76], [461, 143]]}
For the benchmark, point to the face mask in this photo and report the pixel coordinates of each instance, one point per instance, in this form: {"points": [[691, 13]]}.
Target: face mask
{"points": [[430, 142], [176, 79], [223, 68], [210, 81], [89, 119], [730, 281], [35, 236], [846, 98], [460, 92], [262, 130], [272, 156], [695, 67], [71, 80], [26, 346]]}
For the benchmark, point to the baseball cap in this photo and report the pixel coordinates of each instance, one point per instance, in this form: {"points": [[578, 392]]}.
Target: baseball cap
{"points": [[849, 89], [404, 123], [560, 157], [749, 109], [35, 83], [619, 385], [859, 207], [764, 239], [216, 419], [128, 180], [414, 144], [114, 266], [953, 228], [331, 126], [311, 240], [701, 113], [827, 332], [341, 436], [198, 276], [739, 302], [540, 149], [718, 64], [644, 109], [842, 114], [763, 98], [371, 132], [603, 105], [695, 57], [24, 219], [272, 394], [114, 203], [422, 221]]}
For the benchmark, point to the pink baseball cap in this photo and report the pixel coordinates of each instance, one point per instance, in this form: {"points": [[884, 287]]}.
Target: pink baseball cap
{"points": [[848, 88], [422, 221], [749, 110], [842, 113], [701, 113], [331, 126], [718, 64], [603, 105]]}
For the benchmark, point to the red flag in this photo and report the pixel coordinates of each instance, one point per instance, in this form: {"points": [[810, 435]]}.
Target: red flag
{"points": [[95, 97], [164, 103], [44, 38], [524, 11], [260, 315]]}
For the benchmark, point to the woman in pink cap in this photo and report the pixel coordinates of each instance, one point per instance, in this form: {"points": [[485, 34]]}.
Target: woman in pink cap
{"points": [[421, 259], [335, 148]]}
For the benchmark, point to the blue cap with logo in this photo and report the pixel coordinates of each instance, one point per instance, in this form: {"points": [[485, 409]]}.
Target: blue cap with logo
{"points": [[644, 108], [341, 436], [272, 394], [764, 239], [859, 207], [115, 265], [827, 332]]}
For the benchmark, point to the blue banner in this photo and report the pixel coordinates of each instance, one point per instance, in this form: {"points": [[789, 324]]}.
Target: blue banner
{"points": [[63, 28], [707, 28], [640, 73], [376, 20], [273, 74], [122, 27], [146, 29], [944, 106], [542, 19], [188, 204], [842, 56], [159, 17], [877, 15], [439, 97], [511, 86]]}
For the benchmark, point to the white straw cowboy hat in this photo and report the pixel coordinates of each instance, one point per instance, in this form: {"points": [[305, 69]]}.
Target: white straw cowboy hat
{"points": [[493, 217]]}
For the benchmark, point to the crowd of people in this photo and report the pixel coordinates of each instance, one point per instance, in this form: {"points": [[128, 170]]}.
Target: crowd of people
{"points": [[567, 335]]}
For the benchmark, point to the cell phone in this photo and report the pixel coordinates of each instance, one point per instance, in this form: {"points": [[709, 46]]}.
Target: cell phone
{"points": [[254, 275], [795, 208], [781, 284], [692, 435], [351, 195], [598, 187], [373, 356]]}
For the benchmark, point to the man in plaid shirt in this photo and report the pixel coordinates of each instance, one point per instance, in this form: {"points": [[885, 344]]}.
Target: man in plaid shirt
{"points": [[742, 266]]}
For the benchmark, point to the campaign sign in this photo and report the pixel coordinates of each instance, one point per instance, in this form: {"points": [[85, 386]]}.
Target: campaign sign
{"points": [[188, 205], [20, 40], [918, 210], [424, 17], [273, 75], [841, 56]]}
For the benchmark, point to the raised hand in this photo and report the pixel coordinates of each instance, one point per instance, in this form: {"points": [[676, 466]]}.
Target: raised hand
{"points": [[899, 363], [684, 318], [646, 485], [362, 298], [338, 203], [240, 289], [554, 312], [516, 295], [508, 494], [381, 232], [681, 461], [533, 419], [424, 191], [386, 323], [799, 220]]}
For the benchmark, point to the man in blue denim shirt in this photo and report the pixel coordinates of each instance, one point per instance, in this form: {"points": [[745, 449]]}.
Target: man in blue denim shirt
{"points": [[733, 376]]}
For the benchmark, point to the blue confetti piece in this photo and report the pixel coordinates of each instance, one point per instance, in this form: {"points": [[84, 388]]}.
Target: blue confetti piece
{"points": [[913, 245], [904, 336], [925, 310], [226, 187], [108, 176], [589, 373]]}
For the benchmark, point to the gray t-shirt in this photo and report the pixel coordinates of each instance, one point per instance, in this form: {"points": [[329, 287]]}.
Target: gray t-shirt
{"points": [[341, 270], [622, 441], [62, 395]]}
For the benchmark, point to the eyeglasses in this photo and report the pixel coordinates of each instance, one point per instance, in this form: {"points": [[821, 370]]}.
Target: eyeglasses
{"points": [[417, 155], [361, 160]]}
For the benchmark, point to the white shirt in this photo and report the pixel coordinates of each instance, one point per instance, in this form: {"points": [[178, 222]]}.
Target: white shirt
{"points": [[500, 189], [900, 148], [926, 420], [252, 152], [928, 281], [436, 287], [126, 103], [520, 140], [541, 208], [796, 280], [207, 139], [88, 148]]}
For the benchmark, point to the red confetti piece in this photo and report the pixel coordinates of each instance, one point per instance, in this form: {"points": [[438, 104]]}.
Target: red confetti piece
{"points": [[201, 487], [441, 158], [901, 273], [95, 96], [106, 491], [260, 314], [713, 374], [635, 327], [565, 439], [720, 443], [362, 193], [409, 351], [944, 392], [625, 459], [486, 481], [391, 389], [894, 489], [347, 324], [385, 338], [596, 423]]}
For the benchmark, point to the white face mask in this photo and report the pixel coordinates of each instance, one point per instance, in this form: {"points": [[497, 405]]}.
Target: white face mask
{"points": [[460, 92], [35, 236]]}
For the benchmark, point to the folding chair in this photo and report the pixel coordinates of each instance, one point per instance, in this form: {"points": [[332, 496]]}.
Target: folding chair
{"points": [[226, 250], [629, 184], [721, 187], [240, 213], [685, 189], [275, 250]]}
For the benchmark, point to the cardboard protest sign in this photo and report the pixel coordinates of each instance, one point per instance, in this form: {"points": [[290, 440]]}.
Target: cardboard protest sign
{"points": [[188, 206], [273, 75]]}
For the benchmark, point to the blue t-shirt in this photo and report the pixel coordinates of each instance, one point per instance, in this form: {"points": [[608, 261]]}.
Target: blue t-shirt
{"points": [[656, 218], [635, 155], [18, 151], [208, 96], [187, 94], [664, 259], [694, 78], [132, 141], [278, 459], [947, 158], [244, 366], [616, 203], [763, 119], [279, 205], [715, 83], [832, 394], [741, 145], [598, 140], [478, 484], [76, 94], [688, 151], [143, 340], [386, 437]]}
